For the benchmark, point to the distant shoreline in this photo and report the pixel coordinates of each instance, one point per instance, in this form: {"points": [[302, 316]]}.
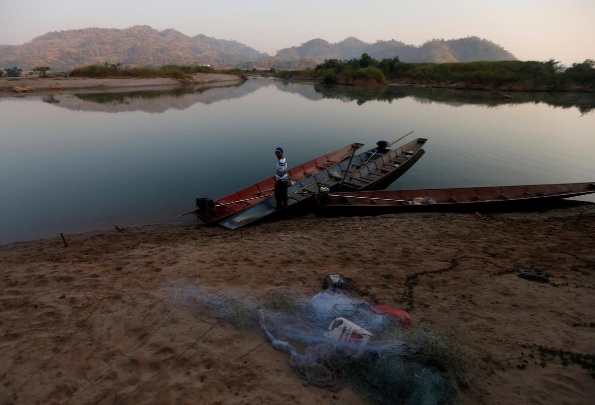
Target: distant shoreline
{"points": [[513, 87], [22, 86]]}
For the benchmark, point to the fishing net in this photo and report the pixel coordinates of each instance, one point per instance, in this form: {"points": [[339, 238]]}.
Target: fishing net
{"points": [[385, 363]]}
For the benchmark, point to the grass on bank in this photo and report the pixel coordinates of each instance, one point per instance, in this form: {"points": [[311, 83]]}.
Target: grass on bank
{"points": [[171, 71]]}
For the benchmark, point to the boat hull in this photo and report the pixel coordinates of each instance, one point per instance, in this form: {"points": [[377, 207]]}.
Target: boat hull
{"points": [[387, 178], [469, 199], [360, 171], [212, 212]]}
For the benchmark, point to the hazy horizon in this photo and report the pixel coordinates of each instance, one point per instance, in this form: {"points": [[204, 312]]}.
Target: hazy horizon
{"points": [[530, 30]]}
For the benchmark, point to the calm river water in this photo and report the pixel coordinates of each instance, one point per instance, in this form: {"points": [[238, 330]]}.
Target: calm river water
{"points": [[70, 163]]}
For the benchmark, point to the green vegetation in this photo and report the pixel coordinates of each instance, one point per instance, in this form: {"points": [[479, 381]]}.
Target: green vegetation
{"points": [[235, 71], [365, 71], [512, 75], [115, 70], [172, 71], [14, 72], [41, 70]]}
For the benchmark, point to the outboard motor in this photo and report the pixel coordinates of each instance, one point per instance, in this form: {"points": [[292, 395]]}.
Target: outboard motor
{"points": [[205, 204], [381, 146], [323, 195]]}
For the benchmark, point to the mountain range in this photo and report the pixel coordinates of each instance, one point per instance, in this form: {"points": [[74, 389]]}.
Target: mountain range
{"points": [[145, 46]]}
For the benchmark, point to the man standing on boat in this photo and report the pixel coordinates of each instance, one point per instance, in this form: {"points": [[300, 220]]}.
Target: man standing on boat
{"points": [[281, 178]]}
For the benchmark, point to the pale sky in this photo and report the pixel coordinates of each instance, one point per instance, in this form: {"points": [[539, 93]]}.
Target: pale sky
{"points": [[530, 29]]}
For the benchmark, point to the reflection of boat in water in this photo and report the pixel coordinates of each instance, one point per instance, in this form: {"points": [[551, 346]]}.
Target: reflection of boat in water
{"points": [[212, 212], [462, 199], [367, 170]]}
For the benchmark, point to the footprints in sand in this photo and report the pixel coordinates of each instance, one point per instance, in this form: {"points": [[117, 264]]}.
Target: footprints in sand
{"points": [[103, 321]]}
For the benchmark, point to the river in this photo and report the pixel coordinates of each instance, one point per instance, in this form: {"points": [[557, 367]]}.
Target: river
{"points": [[73, 162]]}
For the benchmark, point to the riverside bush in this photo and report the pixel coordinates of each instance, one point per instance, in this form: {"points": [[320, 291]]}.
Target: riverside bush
{"points": [[173, 71]]}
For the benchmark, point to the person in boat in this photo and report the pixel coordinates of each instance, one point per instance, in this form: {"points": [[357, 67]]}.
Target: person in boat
{"points": [[281, 178]]}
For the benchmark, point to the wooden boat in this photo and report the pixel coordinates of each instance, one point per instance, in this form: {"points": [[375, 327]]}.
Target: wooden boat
{"points": [[376, 167], [378, 170], [211, 212], [464, 199]]}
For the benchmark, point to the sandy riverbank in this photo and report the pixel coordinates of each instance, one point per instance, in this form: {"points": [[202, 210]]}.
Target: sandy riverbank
{"points": [[36, 85], [115, 317]]}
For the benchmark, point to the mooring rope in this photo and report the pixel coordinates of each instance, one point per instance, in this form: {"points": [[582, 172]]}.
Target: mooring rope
{"points": [[135, 347], [145, 339], [54, 354], [156, 374], [168, 366]]}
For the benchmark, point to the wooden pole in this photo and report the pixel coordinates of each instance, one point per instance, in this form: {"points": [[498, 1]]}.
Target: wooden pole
{"points": [[63, 239], [347, 169], [393, 142]]}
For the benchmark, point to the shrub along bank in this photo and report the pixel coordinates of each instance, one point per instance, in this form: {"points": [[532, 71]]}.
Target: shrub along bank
{"points": [[512, 75]]}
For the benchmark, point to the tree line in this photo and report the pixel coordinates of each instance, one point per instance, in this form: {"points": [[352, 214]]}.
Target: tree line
{"points": [[367, 71], [550, 75], [117, 70], [41, 71]]}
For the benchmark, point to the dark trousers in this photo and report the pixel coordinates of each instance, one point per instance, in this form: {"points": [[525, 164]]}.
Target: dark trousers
{"points": [[281, 193]]}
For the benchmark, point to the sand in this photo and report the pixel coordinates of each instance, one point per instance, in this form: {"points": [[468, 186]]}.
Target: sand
{"points": [[50, 85], [107, 318]]}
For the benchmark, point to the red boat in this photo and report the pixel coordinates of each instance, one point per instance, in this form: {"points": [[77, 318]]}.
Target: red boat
{"points": [[460, 199], [212, 212]]}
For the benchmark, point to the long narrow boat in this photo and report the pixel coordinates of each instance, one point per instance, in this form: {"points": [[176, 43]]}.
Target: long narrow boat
{"points": [[465, 199], [211, 212], [364, 171], [378, 171]]}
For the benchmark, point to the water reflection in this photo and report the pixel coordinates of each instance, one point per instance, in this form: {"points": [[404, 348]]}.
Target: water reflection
{"points": [[585, 102], [50, 99], [152, 101], [70, 162]]}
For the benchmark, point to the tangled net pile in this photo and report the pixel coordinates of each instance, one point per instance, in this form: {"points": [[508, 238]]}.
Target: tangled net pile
{"points": [[396, 365]]}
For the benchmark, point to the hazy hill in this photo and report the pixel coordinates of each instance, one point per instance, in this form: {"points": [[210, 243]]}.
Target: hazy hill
{"points": [[437, 50], [138, 45], [145, 46]]}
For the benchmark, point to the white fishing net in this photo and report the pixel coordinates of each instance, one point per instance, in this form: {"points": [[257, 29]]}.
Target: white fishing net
{"points": [[383, 361]]}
